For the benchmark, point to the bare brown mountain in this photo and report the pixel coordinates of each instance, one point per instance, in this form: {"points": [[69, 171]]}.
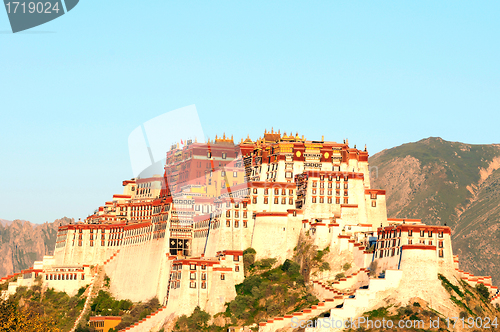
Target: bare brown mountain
{"points": [[21, 243], [449, 183]]}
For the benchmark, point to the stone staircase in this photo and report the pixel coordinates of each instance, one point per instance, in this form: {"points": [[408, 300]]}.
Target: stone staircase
{"points": [[362, 301], [307, 314], [97, 279], [332, 297], [152, 322], [111, 257], [339, 287], [90, 292], [473, 280]]}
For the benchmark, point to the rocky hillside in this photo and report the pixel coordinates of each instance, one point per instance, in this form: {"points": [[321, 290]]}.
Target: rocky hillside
{"points": [[21, 243], [449, 183]]}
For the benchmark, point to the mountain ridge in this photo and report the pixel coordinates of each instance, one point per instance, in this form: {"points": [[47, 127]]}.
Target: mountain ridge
{"points": [[5, 222], [23, 242]]}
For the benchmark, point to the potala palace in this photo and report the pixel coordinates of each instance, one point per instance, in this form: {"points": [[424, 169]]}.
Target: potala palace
{"points": [[180, 236]]}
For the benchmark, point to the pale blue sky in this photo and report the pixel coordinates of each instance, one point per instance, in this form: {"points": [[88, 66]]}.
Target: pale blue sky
{"points": [[377, 72]]}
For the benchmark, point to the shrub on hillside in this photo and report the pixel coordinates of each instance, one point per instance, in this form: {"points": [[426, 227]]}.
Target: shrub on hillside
{"points": [[81, 290], [248, 258], [325, 266], [81, 328], [198, 321], [483, 291], [266, 263], [104, 304]]}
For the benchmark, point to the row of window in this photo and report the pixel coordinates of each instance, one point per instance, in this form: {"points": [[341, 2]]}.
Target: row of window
{"points": [[395, 251], [237, 213], [330, 185], [330, 192], [422, 233], [276, 200], [72, 276], [387, 244], [192, 267], [396, 233], [236, 224], [114, 243], [276, 191], [329, 200]]}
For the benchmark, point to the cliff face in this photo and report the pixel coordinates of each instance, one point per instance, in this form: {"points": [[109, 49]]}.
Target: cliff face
{"points": [[447, 182], [21, 243]]}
